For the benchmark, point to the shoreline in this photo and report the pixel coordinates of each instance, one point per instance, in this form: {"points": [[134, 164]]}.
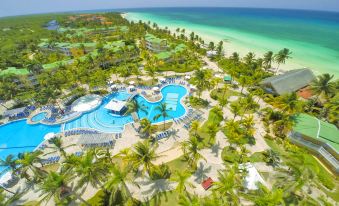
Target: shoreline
{"points": [[235, 41]]}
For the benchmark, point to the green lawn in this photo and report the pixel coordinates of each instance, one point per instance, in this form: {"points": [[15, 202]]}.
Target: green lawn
{"points": [[213, 119], [96, 199], [177, 165]]}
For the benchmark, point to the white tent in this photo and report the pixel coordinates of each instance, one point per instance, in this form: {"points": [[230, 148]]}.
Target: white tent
{"points": [[253, 177], [218, 76], [131, 82], [187, 77]]}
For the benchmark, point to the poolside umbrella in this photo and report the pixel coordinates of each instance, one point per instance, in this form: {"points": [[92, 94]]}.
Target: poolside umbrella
{"points": [[131, 87], [192, 87], [131, 82], [162, 79], [187, 77], [110, 82], [49, 136], [113, 86], [218, 76], [155, 89]]}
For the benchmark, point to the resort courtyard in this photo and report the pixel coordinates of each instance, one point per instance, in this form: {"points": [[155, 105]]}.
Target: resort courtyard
{"points": [[140, 115]]}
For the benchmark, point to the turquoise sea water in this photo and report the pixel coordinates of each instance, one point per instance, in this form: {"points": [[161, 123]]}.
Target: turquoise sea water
{"points": [[312, 36]]}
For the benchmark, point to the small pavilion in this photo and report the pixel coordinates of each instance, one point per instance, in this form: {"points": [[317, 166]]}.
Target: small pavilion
{"points": [[117, 107]]}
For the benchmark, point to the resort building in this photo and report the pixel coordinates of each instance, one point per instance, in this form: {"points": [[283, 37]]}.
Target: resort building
{"points": [[155, 44], [67, 48], [320, 137], [290, 81]]}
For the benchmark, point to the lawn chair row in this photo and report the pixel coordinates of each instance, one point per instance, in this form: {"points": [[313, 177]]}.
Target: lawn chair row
{"points": [[50, 160], [163, 135], [77, 132]]}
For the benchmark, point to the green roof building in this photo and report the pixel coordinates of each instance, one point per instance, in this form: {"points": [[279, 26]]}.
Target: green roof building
{"points": [[14, 70], [320, 137], [155, 44]]}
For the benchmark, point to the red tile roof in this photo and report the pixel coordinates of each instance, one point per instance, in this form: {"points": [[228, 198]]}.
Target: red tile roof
{"points": [[305, 92], [206, 184]]}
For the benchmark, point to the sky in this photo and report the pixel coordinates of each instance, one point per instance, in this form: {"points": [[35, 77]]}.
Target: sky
{"points": [[20, 7]]}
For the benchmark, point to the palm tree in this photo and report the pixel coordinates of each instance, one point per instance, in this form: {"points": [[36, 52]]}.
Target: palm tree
{"points": [[289, 103], [117, 183], [9, 162], [189, 200], [323, 86], [195, 125], [135, 106], [56, 185], [146, 127], [266, 197], [90, 169], [181, 178], [143, 154], [272, 158], [212, 130], [235, 57], [201, 78], [191, 151], [249, 58], [162, 108], [282, 56], [235, 109], [268, 59], [57, 146], [28, 161], [228, 183]]}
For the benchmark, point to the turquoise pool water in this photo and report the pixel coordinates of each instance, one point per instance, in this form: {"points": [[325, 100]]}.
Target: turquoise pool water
{"points": [[39, 117], [101, 119], [17, 137]]}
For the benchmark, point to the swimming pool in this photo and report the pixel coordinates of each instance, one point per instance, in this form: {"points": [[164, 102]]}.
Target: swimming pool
{"points": [[17, 137], [39, 117], [102, 120]]}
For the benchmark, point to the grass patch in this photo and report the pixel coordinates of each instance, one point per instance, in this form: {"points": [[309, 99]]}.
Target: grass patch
{"points": [[160, 127], [51, 167], [198, 103], [177, 165], [220, 93], [214, 118], [257, 157], [96, 199], [32, 203], [170, 198]]}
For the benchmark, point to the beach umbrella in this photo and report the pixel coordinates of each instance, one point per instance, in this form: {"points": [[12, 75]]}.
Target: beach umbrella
{"points": [[162, 79], [187, 77], [218, 76], [131, 82], [192, 87], [49, 136], [155, 89]]}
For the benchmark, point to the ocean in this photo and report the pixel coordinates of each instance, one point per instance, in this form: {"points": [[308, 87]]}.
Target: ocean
{"points": [[312, 36]]}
